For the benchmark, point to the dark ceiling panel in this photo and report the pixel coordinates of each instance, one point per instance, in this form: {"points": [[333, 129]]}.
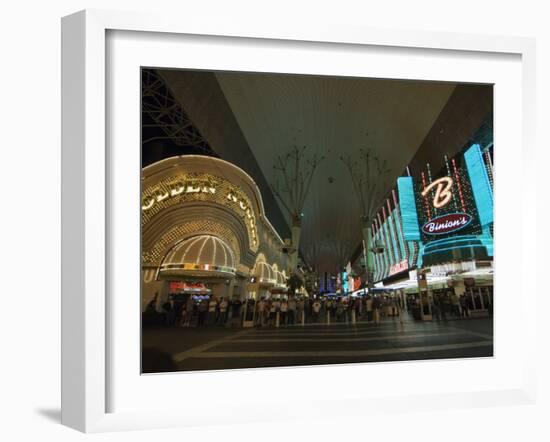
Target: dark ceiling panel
{"points": [[206, 105]]}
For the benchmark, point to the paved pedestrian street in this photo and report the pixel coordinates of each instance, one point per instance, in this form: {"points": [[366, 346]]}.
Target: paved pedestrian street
{"points": [[221, 348]]}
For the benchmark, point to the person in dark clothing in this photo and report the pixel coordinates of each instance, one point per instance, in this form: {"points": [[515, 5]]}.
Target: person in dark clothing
{"points": [[291, 311], [165, 310], [236, 305], [464, 306], [150, 315], [169, 312], [436, 310], [443, 305], [178, 311], [376, 306], [203, 308], [152, 305]]}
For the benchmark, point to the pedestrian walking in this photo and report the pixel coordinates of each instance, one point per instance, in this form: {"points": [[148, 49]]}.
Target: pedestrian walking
{"points": [[272, 310], [202, 312], [436, 307], [464, 306], [369, 308], [260, 318], [212, 310], [284, 310], [339, 311], [236, 305], [223, 311], [316, 308], [399, 306], [292, 311], [300, 308], [455, 305], [376, 305]]}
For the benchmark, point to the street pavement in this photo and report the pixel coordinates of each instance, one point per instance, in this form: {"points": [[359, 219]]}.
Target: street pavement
{"points": [[216, 348]]}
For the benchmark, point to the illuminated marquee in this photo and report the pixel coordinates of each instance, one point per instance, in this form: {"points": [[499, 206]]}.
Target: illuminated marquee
{"points": [[177, 188], [199, 187], [448, 217], [232, 196], [446, 205]]}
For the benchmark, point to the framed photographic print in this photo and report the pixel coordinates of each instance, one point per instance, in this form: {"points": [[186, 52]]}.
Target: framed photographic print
{"points": [[245, 207]]}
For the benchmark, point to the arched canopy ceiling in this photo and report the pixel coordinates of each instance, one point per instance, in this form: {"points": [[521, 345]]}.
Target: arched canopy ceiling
{"points": [[332, 117]]}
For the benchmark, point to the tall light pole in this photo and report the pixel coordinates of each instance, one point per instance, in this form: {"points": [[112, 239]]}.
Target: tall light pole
{"points": [[296, 171], [368, 174]]}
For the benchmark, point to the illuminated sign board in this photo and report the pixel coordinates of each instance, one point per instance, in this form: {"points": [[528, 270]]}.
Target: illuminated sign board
{"points": [[448, 214], [399, 267], [177, 188], [181, 286], [446, 223], [443, 191], [445, 205]]}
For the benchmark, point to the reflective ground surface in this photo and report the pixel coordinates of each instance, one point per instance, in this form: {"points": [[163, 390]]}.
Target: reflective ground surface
{"points": [[212, 348]]}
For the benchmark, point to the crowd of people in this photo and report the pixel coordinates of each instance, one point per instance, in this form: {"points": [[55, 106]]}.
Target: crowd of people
{"points": [[270, 312], [281, 311], [446, 304]]}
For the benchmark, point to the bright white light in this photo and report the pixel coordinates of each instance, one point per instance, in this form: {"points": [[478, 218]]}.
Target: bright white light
{"points": [[443, 192]]}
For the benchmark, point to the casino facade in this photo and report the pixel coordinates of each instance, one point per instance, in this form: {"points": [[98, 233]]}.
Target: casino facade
{"points": [[435, 229], [204, 231]]}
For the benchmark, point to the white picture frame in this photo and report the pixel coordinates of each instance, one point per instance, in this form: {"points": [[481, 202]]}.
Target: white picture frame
{"points": [[86, 211]]}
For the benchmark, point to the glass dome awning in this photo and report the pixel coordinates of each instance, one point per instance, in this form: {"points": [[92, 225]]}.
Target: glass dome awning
{"points": [[267, 276], [199, 256]]}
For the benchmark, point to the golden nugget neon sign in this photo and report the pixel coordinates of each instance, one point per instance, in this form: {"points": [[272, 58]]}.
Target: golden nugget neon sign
{"points": [[199, 186], [443, 193], [231, 196], [175, 189]]}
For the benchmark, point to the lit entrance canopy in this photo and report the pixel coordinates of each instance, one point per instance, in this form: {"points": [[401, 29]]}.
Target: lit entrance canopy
{"points": [[266, 275], [199, 256]]}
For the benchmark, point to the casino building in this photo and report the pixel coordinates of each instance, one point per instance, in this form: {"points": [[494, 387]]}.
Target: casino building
{"points": [[436, 229], [204, 231]]}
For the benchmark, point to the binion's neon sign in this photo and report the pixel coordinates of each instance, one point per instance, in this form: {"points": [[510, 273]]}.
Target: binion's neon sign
{"points": [[446, 223], [443, 193]]}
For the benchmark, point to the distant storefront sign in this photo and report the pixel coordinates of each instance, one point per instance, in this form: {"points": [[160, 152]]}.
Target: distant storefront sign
{"points": [[180, 286], [399, 267]]}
